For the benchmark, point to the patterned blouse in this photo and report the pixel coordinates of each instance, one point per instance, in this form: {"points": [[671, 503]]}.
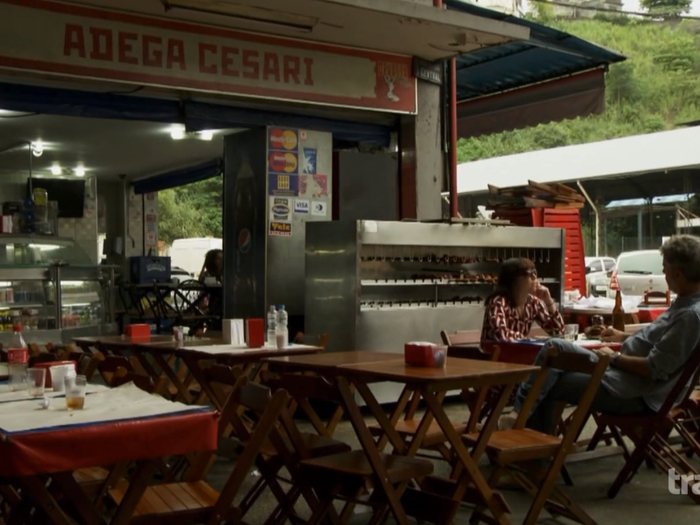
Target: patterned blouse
{"points": [[502, 322]]}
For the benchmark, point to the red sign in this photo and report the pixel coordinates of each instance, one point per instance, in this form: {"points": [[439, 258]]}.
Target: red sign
{"points": [[63, 39]]}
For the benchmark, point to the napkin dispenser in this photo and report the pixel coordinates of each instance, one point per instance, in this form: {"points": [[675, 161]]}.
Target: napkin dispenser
{"points": [[426, 355], [255, 330]]}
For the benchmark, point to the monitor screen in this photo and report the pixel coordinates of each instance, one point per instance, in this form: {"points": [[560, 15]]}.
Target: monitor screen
{"points": [[68, 193]]}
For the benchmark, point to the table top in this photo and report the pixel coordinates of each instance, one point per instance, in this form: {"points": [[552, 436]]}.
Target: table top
{"points": [[230, 350], [328, 360], [116, 425], [123, 340], [481, 372]]}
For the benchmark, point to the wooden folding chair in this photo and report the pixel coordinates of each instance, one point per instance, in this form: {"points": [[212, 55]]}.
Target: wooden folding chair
{"points": [[347, 475], [512, 450], [650, 432], [193, 502]]}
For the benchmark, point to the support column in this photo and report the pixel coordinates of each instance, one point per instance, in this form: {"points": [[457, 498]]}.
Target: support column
{"points": [[422, 169]]}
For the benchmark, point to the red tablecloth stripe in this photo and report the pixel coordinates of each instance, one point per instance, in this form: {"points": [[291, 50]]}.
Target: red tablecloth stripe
{"points": [[106, 444]]}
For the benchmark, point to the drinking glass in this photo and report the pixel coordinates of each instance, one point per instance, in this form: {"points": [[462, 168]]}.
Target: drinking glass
{"points": [[36, 379], [571, 332], [75, 392]]}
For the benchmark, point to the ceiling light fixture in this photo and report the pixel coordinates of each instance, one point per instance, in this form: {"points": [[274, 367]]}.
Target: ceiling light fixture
{"points": [[177, 131], [37, 148], [80, 171], [56, 169], [244, 13], [206, 134]]}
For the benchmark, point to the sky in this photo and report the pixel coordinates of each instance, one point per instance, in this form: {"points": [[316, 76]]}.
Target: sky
{"points": [[633, 5]]}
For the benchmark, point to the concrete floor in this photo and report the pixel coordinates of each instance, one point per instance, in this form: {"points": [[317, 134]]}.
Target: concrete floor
{"points": [[646, 500]]}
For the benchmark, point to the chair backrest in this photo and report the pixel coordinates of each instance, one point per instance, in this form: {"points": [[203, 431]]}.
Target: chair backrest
{"points": [[311, 339], [683, 387], [474, 352], [305, 390], [568, 362], [461, 337]]}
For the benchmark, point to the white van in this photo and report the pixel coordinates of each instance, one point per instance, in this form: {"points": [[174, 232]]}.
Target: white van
{"points": [[188, 254]]}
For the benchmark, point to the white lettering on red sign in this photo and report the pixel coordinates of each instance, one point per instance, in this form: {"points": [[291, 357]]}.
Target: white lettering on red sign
{"points": [[97, 43]]}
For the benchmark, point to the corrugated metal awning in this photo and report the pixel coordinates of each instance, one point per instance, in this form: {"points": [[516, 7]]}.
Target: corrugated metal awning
{"points": [[549, 55]]}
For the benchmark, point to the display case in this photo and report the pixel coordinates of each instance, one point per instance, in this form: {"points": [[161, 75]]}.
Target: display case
{"points": [[49, 286], [376, 285]]}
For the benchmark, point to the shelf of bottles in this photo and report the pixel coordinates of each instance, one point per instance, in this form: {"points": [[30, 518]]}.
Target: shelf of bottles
{"points": [[400, 277]]}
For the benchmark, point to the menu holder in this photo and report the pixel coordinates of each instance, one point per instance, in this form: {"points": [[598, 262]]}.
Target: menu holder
{"points": [[233, 332], [426, 355], [256, 333]]}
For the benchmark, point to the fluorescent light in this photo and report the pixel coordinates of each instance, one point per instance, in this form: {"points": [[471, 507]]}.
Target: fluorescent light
{"points": [[206, 134], [37, 148], [244, 13], [56, 169], [177, 131], [80, 171]]}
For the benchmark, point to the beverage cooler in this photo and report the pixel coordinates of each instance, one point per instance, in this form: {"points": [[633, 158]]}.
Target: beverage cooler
{"points": [[377, 285]]}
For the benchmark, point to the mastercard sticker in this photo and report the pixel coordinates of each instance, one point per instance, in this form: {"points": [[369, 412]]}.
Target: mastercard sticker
{"points": [[281, 162], [283, 139]]}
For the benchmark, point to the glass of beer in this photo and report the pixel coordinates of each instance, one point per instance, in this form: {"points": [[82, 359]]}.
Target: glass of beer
{"points": [[75, 392]]}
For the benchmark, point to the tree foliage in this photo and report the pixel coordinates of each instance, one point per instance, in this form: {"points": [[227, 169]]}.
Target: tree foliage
{"points": [[667, 8], [191, 211], [657, 87]]}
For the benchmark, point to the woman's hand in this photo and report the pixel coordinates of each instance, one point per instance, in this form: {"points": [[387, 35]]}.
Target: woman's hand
{"points": [[601, 352], [542, 293], [612, 335]]}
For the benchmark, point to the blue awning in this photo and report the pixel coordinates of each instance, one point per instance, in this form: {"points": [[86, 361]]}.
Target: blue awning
{"points": [[547, 55]]}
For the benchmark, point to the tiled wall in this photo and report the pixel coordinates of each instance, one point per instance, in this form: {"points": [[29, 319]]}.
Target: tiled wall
{"points": [[84, 230]]}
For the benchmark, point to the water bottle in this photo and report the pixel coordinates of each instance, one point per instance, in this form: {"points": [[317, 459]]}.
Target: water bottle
{"points": [[282, 331], [18, 360], [272, 326]]}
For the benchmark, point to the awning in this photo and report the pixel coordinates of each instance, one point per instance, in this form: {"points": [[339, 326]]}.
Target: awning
{"points": [[395, 26], [174, 179], [550, 63], [563, 98]]}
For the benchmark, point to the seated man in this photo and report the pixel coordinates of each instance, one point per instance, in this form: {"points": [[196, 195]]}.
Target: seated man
{"points": [[649, 363]]}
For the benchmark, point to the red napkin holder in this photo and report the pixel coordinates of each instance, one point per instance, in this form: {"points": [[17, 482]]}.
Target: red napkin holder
{"points": [[48, 365], [138, 331], [426, 355], [255, 330]]}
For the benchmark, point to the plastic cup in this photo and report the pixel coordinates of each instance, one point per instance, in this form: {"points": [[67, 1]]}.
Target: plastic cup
{"points": [[36, 378], [58, 376], [75, 392]]}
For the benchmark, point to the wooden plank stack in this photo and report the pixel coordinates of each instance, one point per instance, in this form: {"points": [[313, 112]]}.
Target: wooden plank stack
{"points": [[536, 195]]}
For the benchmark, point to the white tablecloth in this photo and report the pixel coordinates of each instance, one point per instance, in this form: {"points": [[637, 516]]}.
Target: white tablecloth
{"points": [[105, 405], [6, 395]]}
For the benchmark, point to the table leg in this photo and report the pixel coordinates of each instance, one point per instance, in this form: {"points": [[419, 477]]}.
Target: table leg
{"points": [[172, 376], [35, 487], [137, 486], [79, 500], [370, 448], [471, 473]]}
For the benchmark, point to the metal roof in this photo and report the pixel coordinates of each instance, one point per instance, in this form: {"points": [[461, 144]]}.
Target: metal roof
{"points": [[653, 154], [548, 54]]}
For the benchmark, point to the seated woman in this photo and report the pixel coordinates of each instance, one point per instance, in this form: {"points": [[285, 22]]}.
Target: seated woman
{"points": [[213, 265], [519, 300]]}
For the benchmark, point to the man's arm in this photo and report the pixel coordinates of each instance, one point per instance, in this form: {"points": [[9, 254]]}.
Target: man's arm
{"points": [[637, 366]]}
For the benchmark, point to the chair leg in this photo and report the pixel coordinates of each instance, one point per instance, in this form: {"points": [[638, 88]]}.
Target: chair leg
{"points": [[629, 469]]}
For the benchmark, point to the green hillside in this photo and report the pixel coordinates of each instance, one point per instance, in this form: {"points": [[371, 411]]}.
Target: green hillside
{"points": [[657, 87]]}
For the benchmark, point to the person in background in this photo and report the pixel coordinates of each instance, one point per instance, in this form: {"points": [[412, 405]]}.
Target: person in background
{"points": [[213, 265], [518, 301]]}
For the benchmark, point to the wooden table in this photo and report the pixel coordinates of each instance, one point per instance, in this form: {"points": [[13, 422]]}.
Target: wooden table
{"points": [[248, 359], [524, 352], [117, 426], [360, 369]]}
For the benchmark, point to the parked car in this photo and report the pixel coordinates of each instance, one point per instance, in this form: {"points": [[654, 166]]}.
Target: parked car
{"points": [[597, 278], [637, 272], [179, 275]]}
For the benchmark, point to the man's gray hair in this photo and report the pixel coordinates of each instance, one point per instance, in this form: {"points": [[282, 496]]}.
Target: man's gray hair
{"points": [[683, 252]]}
